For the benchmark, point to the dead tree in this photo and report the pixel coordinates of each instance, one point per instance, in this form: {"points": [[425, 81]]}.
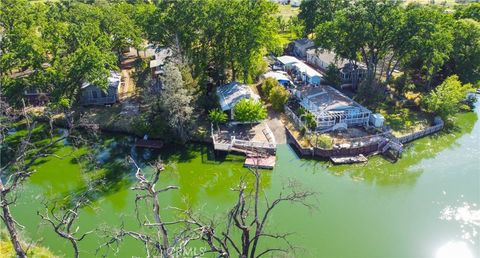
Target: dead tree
{"points": [[63, 220], [19, 166], [160, 242], [250, 220]]}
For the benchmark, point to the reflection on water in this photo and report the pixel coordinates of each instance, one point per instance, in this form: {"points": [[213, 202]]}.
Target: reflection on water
{"points": [[454, 249], [468, 215]]}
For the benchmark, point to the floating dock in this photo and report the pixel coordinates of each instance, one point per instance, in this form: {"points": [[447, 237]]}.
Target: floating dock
{"points": [[263, 162], [349, 160], [154, 144]]}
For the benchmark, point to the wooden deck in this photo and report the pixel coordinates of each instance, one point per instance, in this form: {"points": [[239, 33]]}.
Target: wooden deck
{"points": [[264, 162], [349, 160], [154, 144]]}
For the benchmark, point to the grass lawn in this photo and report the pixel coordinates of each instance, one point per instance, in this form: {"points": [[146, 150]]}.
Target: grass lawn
{"points": [[404, 120], [287, 11]]}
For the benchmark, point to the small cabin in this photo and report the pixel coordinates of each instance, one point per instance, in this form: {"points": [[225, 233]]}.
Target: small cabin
{"points": [[93, 95]]}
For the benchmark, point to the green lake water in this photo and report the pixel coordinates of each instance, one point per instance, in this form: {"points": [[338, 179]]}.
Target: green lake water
{"points": [[425, 205]]}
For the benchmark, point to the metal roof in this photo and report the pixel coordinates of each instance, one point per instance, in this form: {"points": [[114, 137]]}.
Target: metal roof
{"points": [[230, 94]]}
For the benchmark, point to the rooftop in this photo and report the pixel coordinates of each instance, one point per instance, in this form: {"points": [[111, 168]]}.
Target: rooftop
{"points": [[277, 75], [304, 41], [230, 94], [328, 56], [304, 68], [113, 80], [160, 57], [326, 98], [287, 59]]}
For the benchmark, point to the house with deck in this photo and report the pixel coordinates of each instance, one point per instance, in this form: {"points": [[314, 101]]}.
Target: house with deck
{"points": [[230, 94], [93, 95], [332, 109]]}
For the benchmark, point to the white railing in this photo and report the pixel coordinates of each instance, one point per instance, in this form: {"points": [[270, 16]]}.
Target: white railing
{"points": [[253, 144]]}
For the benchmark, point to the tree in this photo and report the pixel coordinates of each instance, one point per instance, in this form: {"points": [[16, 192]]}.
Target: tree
{"points": [[314, 12], [465, 57], [366, 29], [445, 100], [470, 11], [155, 235], [63, 220], [249, 111], [247, 221], [176, 100], [217, 117], [268, 85], [332, 75], [278, 97]]}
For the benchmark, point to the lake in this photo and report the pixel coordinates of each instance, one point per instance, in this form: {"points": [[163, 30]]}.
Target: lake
{"points": [[425, 205]]}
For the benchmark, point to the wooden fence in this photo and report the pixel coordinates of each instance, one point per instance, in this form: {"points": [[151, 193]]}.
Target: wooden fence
{"points": [[326, 153], [427, 131]]}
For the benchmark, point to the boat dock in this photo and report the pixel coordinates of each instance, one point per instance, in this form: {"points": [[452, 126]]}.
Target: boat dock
{"points": [[154, 144], [349, 160], [263, 162]]}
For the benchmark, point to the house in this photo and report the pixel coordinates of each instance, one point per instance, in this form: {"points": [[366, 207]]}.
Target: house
{"points": [[322, 59], [93, 95], [306, 74], [35, 97], [331, 108], [230, 94], [299, 70], [158, 61], [286, 62], [282, 77], [300, 47]]}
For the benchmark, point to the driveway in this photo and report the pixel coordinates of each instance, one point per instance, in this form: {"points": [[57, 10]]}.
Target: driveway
{"points": [[276, 125]]}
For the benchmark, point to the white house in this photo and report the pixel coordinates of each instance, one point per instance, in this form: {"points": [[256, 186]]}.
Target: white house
{"points": [[287, 62], [306, 73], [332, 109], [300, 47], [230, 94]]}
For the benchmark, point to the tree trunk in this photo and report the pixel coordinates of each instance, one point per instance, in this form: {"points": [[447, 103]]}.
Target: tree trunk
{"points": [[10, 223], [75, 247], [234, 72]]}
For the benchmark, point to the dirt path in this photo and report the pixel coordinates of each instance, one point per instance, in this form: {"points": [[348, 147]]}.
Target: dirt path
{"points": [[276, 125]]}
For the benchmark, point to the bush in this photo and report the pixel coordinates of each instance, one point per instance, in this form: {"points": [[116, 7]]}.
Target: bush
{"points": [[268, 85]]}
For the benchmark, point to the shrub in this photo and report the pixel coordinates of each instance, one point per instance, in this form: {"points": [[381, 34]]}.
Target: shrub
{"points": [[249, 111], [322, 141], [268, 85]]}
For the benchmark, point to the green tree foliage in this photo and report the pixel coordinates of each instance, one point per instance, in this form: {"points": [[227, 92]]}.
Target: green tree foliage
{"points": [[332, 75], [217, 116], [365, 29], [176, 99], [314, 12], [60, 45], [217, 35], [249, 111], [471, 11], [268, 85], [446, 99], [465, 58], [278, 97]]}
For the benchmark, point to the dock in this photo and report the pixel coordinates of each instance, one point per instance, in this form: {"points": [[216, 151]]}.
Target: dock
{"points": [[263, 162], [349, 160], [154, 144]]}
